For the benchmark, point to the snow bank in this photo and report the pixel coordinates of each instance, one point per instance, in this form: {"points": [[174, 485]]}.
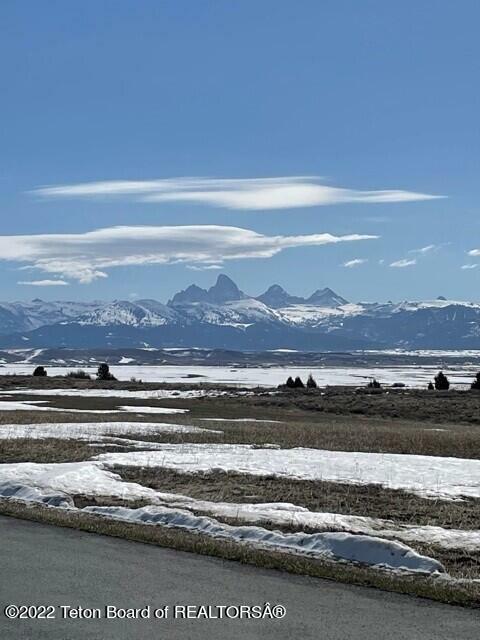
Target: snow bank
{"points": [[427, 476], [344, 546], [286, 514], [32, 494]]}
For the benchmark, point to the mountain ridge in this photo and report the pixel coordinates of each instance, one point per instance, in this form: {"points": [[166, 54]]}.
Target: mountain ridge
{"points": [[225, 317]]}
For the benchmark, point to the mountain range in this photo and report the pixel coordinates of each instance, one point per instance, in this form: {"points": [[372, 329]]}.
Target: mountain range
{"points": [[224, 317]]}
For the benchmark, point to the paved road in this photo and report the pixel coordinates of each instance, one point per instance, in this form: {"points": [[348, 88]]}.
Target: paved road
{"points": [[40, 564]]}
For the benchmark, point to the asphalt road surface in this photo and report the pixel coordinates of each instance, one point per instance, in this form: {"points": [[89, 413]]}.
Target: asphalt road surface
{"points": [[45, 565]]}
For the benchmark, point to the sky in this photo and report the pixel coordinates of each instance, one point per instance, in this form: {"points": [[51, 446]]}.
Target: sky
{"points": [[146, 145]]}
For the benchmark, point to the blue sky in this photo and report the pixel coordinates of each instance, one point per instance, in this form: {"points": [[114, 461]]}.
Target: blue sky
{"points": [[368, 96]]}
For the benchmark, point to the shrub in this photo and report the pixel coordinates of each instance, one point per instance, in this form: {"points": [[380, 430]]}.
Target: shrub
{"points": [[103, 372], [430, 386], [298, 384], [476, 383], [374, 384], [441, 382], [40, 372], [311, 382], [79, 374]]}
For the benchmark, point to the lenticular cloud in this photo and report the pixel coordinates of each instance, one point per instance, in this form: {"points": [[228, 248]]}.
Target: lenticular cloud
{"points": [[247, 193], [85, 256]]}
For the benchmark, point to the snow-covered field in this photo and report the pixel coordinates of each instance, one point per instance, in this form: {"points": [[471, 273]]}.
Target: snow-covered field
{"points": [[413, 376]]}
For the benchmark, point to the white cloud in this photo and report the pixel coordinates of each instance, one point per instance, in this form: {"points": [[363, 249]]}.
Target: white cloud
{"points": [[44, 283], [474, 252], [469, 266], [206, 267], [427, 249], [248, 193], [85, 256], [356, 262], [400, 264]]}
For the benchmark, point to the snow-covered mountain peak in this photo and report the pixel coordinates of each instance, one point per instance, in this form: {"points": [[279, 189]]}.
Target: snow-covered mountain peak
{"points": [[326, 298], [276, 297]]}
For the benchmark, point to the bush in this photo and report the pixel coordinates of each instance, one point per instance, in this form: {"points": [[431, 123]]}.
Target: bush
{"points": [[298, 384], [79, 374], [290, 383], [374, 384], [430, 386], [476, 383], [40, 372], [103, 372], [441, 382], [311, 382]]}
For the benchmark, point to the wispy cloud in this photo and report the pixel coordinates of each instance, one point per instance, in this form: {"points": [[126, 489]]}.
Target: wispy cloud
{"points": [[400, 264], [356, 262], [469, 266], [424, 250], [247, 193], [85, 256], [44, 283], [206, 267]]}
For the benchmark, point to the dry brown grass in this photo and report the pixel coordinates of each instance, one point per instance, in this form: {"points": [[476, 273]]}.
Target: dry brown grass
{"points": [[330, 497], [48, 450], [451, 592], [397, 422]]}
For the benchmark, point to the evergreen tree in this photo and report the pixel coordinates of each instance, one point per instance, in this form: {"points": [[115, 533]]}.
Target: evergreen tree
{"points": [[290, 383], [40, 372], [103, 372], [374, 384], [298, 384], [441, 382], [430, 386], [476, 383], [311, 382]]}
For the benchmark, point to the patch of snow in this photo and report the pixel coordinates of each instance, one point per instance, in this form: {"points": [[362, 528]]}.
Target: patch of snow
{"points": [[73, 478], [92, 430], [428, 476], [134, 409]]}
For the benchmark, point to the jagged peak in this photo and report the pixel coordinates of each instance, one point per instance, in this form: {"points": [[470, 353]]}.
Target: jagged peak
{"points": [[225, 290]]}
